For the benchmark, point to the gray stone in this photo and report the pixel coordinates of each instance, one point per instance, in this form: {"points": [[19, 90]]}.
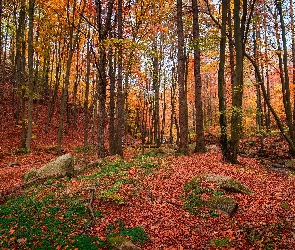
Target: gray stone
{"points": [[222, 203], [62, 166]]}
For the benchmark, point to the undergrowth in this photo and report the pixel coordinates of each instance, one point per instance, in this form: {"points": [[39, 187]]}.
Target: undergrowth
{"points": [[55, 214]]}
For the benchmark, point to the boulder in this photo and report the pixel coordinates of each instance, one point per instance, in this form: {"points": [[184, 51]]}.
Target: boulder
{"points": [[222, 203], [207, 190], [234, 186], [227, 183], [62, 166], [121, 243]]}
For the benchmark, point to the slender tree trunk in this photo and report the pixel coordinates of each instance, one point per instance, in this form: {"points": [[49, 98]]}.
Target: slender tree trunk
{"points": [[284, 74], [200, 140], [112, 75], [120, 94], [276, 117], [221, 84], [52, 103], [259, 113], [156, 88], [20, 60], [31, 74], [237, 88], [73, 39], [87, 82], [183, 113]]}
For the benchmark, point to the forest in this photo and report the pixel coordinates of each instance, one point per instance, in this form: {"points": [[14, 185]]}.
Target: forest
{"points": [[147, 124]]}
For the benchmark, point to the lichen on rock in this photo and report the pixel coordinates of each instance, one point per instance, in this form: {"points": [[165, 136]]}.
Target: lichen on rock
{"points": [[62, 166]]}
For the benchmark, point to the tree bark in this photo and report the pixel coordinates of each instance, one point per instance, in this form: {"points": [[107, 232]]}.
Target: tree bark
{"points": [[200, 140], [31, 74], [183, 112], [237, 88], [120, 94], [284, 74], [221, 85]]}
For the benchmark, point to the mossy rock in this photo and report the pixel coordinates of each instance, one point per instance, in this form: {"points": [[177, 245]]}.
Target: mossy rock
{"points": [[227, 183], [234, 186], [62, 166], [121, 243], [222, 203], [199, 187]]}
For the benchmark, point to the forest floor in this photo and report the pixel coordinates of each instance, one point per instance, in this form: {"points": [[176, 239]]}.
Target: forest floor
{"points": [[140, 192]]}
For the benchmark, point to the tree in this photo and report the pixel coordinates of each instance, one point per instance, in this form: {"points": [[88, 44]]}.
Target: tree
{"points": [[120, 94], [183, 112], [31, 74], [102, 79], [221, 83], [200, 141]]}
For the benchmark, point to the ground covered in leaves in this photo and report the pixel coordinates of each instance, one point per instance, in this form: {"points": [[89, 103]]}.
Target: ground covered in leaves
{"points": [[142, 199]]}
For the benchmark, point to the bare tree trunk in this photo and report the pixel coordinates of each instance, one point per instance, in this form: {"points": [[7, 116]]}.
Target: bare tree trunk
{"points": [[156, 88], [284, 75], [183, 112], [200, 140], [102, 81], [120, 94], [221, 84], [31, 74], [87, 82], [237, 88], [73, 39], [20, 61], [264, 92], [112, 75]]}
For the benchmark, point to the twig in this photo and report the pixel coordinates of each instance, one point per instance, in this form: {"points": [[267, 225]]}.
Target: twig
{"points": [[173, 203], [89, 205]]}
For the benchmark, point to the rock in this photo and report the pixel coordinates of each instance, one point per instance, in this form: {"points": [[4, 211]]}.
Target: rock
{"points": [[197, 195], [121, 243], [232, 185], [222, 203], [228, 184], [62, 166]]}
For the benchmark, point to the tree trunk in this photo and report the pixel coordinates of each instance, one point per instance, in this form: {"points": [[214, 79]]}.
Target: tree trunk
{"points": [[183, 113], [237, 88], [200, 140], [102, 80], [283, 63], [156, 88], [221, 85], [120, 94], [112, 75], [73, 40], [87, 83], [31, 74]]}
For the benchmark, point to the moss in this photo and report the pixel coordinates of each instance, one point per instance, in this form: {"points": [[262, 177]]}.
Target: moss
{"points": [[116, 241], [30, 175], [222, 203], [220, 243], [192, 184], [231, 185]]}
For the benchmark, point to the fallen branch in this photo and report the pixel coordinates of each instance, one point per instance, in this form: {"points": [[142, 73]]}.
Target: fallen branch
{"points": [[89, 205]]}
